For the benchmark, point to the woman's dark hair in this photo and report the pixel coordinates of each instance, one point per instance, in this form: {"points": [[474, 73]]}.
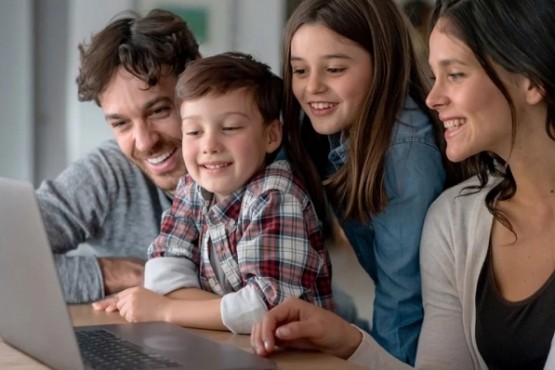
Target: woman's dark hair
{"points": [[516, 35], [380, 28], [144, 46]]}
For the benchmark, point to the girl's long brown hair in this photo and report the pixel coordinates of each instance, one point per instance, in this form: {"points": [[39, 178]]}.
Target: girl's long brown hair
{"points": [[380, 28]]}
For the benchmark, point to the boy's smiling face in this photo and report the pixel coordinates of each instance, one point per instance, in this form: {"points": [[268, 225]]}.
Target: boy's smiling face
{"points": [[225, 140]]}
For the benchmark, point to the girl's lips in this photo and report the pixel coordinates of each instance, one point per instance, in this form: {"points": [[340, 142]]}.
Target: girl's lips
{"points": [[322, 109]]}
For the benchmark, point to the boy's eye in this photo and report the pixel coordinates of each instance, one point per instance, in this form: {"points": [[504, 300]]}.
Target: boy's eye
{"points": [[231, 128], [192, 133]]}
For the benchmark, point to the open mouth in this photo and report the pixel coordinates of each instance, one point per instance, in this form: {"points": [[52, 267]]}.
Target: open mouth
{"points": [[215, 166], [161, 157], [454, 123], [322, 105]]}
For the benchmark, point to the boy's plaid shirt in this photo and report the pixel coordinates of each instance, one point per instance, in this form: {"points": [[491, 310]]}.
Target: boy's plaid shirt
{"points": [[265, 234]]}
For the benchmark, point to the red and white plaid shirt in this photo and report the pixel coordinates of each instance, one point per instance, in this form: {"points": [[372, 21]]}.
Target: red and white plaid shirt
{"points": [[265, 237]]}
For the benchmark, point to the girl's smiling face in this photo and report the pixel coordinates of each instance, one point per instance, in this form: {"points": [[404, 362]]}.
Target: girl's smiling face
{"points": [[331, 77]]}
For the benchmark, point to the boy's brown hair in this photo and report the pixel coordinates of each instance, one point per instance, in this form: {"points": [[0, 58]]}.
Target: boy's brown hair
{"points": [[219, 74]]}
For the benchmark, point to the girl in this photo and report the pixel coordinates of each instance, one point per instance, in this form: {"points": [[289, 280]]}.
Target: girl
{"points": [[349, 65]]}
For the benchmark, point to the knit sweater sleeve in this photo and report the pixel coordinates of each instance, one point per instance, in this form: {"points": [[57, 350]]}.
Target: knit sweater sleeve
{"points": [[86, 203]]}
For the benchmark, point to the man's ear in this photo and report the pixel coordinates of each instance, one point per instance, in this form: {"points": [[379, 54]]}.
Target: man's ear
{"points": [[274, 134]]}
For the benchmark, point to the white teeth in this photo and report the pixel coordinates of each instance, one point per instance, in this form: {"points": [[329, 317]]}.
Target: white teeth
{"points": [[215, 166], [160, 158], [321, 105], [454, 123]]}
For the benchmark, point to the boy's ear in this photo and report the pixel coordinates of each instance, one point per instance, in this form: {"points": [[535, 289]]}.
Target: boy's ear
{"points": [[274, 134]]}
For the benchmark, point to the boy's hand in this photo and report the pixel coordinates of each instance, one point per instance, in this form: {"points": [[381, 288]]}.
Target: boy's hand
{"points": [[107, 304], [139, 304]]}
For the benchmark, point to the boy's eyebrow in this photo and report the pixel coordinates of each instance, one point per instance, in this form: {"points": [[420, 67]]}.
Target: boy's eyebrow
{"points": [[224, 114], [146, 106]]}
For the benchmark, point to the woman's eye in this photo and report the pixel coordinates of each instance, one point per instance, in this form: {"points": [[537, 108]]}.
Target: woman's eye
{"points": [[456, 76]]}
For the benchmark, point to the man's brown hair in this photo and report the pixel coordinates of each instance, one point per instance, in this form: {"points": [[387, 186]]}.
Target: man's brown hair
{"points": [[145, 46]]}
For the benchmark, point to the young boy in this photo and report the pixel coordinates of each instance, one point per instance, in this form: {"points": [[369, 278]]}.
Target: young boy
{"points": [[242, 234]]}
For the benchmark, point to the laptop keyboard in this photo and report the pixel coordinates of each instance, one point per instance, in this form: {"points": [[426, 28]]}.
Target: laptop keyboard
{"points": [[103, 350]]}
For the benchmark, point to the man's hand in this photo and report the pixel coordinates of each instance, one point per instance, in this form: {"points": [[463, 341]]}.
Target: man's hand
{"points": [[121, 273]]}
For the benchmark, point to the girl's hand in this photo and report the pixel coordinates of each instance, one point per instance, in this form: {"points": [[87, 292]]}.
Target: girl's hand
{"points": [[301, 325]]}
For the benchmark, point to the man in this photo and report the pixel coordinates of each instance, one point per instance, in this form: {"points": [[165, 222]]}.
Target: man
{"points": [[113, 198]]}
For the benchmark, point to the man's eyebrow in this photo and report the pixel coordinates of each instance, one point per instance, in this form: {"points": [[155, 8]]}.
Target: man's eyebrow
{"points": [[148, 105]]}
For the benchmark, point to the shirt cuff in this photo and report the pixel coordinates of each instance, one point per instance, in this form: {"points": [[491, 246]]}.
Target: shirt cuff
{"points": [[242, 309], [166, 274]]}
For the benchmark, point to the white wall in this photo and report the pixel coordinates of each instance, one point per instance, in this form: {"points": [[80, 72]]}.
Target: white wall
{"points": [[16, 89]]}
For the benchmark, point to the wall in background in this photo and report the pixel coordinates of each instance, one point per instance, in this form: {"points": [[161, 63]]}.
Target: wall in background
{"points": [[16, 89], [44, 127]]}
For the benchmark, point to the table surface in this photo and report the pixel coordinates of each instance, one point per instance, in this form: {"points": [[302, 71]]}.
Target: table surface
{"points": [[10, 358]]}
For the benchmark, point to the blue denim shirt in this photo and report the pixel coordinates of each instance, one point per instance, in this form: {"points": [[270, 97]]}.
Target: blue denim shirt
{"points": [[387, 247]]}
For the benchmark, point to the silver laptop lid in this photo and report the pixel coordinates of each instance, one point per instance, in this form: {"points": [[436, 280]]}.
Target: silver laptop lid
{"points": [[33, 313]]}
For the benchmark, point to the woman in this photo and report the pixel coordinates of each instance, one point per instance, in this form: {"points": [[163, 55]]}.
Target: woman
{"points": [[487, 255]]}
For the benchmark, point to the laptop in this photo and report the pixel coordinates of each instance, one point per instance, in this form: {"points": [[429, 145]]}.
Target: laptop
{"points": [[35, 319]]}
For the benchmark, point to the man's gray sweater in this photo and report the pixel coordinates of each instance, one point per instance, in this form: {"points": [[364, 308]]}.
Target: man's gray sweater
{"points": [[106, 201]]}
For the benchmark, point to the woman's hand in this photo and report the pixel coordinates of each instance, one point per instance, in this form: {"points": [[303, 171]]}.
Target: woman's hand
{"points": [[301, 325]]}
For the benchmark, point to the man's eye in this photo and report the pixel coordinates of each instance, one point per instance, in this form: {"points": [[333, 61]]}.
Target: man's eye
{"points": [[160, 112], [117, 124]]}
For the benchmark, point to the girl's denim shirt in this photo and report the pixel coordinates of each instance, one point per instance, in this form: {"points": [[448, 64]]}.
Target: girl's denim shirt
{"points": [[387, 247]]}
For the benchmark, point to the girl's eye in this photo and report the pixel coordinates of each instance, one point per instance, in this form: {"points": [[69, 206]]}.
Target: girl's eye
{"points": [[336, 70], [191, 133], [299, 71], [231, 128]]}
